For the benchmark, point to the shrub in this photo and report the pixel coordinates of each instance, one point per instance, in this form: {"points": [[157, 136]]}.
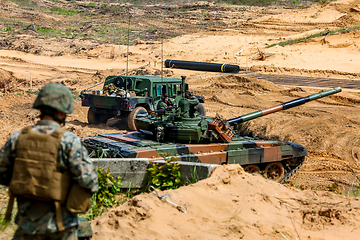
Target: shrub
{"points": [[166, 176], [109, 187]]}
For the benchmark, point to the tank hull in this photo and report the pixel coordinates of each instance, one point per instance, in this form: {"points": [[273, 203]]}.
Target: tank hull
{"points": [[257, 154]]}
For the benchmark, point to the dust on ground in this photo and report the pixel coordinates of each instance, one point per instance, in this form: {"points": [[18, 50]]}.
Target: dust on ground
{"points": [[231, 204]]}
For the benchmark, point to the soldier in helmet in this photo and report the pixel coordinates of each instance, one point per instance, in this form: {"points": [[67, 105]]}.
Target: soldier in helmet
{"points": [[165, 102], [42, 165], [189, 105]]}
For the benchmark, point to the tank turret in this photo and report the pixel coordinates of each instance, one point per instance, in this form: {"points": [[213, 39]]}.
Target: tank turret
{"points": [[183, 123]]}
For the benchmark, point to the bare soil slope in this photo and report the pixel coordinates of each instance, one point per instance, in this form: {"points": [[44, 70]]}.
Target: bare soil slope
{"points": [[232, 204]]}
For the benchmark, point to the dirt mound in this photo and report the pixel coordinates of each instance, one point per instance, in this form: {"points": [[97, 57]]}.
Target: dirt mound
{"points": [[228, 90], [242, 83], [348, 20], [5, 76], [36, 44], [8, 82], [297, 71], [231, 204], [350, 10]]}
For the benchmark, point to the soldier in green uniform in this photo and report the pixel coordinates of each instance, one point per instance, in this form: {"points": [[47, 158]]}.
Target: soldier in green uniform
{"points": [[189, 105], [165, 102], [41, 164]]}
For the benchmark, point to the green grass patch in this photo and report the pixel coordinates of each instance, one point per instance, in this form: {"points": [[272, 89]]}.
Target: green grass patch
{"points": [[115, 34], [320, 34], [48, 32], [51, 33], [6, 21], [350, 190], [11, 26], [25, 3], [104, 198], [65, 12]]}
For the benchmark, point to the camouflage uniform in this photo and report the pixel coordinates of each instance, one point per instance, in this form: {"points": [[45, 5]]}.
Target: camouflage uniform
{"points": [[112, 89], [72, 157], [109, 89], [189, 107], [162, 104]]}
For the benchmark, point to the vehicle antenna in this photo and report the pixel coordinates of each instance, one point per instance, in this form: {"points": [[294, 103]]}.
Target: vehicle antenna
{"points": [[128, 45], [162, 58]]}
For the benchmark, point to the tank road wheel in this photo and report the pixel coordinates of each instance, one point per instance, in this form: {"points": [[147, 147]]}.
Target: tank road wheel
{"points": [[252, 169], [132, 116], [201, 110], [274, 171], [96, 118]]}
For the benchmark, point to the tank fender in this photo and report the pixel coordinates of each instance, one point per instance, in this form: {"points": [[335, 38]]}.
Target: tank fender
{"points": [[298, 150]]}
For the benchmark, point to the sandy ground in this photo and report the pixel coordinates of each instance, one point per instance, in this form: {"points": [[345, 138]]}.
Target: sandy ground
{"points": [[231, 204]]}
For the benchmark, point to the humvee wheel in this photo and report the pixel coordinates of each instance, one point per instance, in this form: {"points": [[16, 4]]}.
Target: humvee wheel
{"points": [[96, 118], [201, 110], [132, 116], [252, 169], [274, 171]]}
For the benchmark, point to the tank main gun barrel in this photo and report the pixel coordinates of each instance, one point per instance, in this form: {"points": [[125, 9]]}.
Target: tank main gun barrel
{"points": [[283, 106]]}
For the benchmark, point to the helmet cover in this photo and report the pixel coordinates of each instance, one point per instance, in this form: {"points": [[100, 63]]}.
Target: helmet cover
{"points": [[57, 96]]}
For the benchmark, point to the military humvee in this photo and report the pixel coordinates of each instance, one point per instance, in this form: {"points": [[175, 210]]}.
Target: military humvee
{"points": [[127, 96]]}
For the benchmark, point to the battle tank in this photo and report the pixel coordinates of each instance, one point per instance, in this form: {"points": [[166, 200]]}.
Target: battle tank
{"points": [[179, 131]]}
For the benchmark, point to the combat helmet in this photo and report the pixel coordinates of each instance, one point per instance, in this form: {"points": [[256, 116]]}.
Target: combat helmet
{"points": [[57, 96], [165, 95]]}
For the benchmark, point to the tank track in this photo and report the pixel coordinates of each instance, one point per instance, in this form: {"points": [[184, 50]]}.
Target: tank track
{"points": [[107, 148], [291, 171]]}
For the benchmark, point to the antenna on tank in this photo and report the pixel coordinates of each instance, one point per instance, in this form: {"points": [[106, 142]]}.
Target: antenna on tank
{"points": [[128, 46], [162, 58]]}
